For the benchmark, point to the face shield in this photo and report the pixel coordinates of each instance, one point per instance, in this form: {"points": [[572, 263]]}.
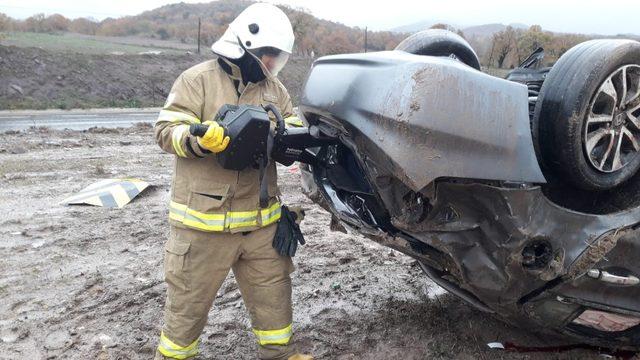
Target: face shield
{"points": [[271, 59]]}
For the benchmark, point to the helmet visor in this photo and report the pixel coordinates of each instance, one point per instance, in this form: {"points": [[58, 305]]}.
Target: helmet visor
{"points": [[273, 59]]}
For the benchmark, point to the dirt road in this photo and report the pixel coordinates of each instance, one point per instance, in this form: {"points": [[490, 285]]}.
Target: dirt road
{"points": [[86, 282], [77, 119]]}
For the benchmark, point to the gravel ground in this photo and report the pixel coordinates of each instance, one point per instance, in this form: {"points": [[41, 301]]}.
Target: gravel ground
{"points": [[82, 282]]}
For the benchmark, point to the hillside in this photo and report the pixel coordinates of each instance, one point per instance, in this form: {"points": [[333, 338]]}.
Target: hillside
{"points": [[33, 78], [180, 22], [132, 61], [415, 27], [489, 30], [484, 30]]}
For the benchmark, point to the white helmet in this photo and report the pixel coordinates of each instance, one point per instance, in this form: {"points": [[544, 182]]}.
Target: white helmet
{"points": [[259, 26]]}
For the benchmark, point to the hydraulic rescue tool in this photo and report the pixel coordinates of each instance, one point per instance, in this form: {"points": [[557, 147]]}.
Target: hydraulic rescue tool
{"points": [[253, 145]]}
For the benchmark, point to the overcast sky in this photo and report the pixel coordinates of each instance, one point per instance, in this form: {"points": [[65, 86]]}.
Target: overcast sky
{"points": [[582, 16]]}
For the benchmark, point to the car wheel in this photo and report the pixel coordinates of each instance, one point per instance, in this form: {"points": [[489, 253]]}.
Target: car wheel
{"points": [[438, 42], [586, 124]]}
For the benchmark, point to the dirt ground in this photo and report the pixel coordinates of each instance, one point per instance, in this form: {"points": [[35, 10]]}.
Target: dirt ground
{"points": [[33, 78], [82, 282]]}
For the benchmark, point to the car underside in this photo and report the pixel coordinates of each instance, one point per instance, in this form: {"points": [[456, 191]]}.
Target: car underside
{"points": [[431, 157]]}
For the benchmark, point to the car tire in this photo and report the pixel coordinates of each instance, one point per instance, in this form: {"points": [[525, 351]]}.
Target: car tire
{"points": [[438, 42], [580, 115]]}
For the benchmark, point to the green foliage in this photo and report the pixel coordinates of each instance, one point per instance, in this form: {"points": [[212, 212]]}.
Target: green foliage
{"points": [[62, 105]]}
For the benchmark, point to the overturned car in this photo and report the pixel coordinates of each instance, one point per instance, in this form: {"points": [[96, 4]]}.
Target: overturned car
{"points": [[533, 216]]}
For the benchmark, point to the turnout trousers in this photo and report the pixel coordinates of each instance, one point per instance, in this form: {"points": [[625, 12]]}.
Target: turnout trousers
{"points": [[195, 266]]}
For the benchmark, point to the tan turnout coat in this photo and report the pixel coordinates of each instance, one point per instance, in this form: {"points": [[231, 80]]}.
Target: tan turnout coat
{"points": [[205, 196]]}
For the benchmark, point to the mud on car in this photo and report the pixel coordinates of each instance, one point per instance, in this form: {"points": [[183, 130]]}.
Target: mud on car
{"points": [[520, 196]]}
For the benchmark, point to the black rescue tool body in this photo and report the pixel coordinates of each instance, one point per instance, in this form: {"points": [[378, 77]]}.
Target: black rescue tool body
{"points": [[248, 128], [252, 143]]}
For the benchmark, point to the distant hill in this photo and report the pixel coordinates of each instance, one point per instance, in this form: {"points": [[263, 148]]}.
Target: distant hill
{"points": [[417, 26], [313, 36], [489, 29], [472, 31], [180, 22]]}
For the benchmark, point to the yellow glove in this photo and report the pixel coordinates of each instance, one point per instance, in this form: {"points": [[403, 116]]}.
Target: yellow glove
{"points": [[214, 139], [293, 121]]}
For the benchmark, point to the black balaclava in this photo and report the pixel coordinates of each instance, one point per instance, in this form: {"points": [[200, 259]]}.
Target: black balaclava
{"points": [[249, 68]]}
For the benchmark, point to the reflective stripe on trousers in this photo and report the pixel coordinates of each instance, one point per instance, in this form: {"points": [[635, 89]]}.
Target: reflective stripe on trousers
{"points": [[230, 220], [274, 337], [170, 349]]}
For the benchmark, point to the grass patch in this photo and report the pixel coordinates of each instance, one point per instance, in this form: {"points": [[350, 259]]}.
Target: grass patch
{"points": [[70, 42], [65, 104]]}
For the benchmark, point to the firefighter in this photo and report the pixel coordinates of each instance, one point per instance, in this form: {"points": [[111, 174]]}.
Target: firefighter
{"points": [[216, 221]]}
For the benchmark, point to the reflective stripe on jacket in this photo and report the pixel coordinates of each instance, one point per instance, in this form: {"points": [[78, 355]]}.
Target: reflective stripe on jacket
{"points": [[230, 220], [204, 195]]}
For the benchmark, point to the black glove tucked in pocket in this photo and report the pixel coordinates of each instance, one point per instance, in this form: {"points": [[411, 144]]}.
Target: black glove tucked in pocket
{"points": [[288, 233]]}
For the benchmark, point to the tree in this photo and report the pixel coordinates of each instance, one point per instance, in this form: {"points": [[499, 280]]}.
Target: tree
{"points": [[210, 33], [533, 39], [39, 23], [503, 43], [83, 26], [34, 23], [447, 27], [56, 23], [338, 43], [163, 33], [442, 26], [124, 26], [563, 42], [302, 23], [6, 23]]}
